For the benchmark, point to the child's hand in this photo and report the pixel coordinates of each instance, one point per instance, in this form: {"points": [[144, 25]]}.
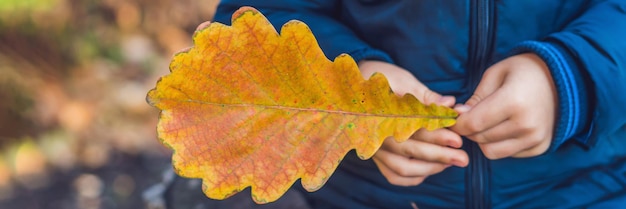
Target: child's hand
{"points": [[512, 111], [425, 153]]}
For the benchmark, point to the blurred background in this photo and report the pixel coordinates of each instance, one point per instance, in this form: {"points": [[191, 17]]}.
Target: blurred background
{"points": [[75, 130]]}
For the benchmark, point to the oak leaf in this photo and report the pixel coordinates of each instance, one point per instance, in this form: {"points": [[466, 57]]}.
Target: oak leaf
{"points": [[248, 107]]}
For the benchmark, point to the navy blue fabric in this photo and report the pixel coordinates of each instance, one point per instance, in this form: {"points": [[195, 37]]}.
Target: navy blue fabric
{"points": [[583, 42]]}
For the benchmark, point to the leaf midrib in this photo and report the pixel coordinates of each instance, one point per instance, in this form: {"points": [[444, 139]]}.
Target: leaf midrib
{"points": [[343, 112]]}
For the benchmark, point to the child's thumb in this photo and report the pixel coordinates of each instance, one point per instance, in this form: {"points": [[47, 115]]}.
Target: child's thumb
{"points": [[430, 97]]}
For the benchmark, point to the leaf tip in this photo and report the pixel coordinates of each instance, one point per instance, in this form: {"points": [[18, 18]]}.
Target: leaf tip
{"points": [[345, 59], [242, 11], [297, 25], [149, 98]]}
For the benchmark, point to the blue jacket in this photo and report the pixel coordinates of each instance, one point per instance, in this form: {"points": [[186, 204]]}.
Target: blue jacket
{"points": [[448, 45]]}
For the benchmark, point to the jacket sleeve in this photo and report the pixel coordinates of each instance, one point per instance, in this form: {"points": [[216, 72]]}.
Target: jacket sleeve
{"points": [[322, 17], [587, 60]]}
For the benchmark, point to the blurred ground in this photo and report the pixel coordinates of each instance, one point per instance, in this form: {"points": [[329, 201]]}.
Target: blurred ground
{"points": [[75, 130]]}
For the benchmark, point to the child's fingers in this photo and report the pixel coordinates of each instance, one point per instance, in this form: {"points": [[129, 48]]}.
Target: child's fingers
{"points": [[428, 152], [396, 179], [447, 101], [506, 130], [516, 147], [407, 167], [491, 81], [443, 137], [490, 112]]}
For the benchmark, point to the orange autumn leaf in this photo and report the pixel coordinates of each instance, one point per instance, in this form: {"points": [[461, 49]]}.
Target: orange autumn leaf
{"points": [[247, 107]]}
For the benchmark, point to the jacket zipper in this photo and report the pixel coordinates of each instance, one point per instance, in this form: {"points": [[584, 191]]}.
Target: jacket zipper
{"points": [[482, 28]]}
